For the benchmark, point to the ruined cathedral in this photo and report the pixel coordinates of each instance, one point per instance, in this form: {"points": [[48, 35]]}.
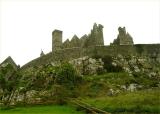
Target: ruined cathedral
{"points": [[94, 38], [92, 45]]}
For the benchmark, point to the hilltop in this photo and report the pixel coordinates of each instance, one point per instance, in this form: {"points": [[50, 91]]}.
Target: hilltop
{"points": [[121, 77]]}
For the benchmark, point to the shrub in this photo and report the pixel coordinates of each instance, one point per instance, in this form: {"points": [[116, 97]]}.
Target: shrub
{"points": [[66, 82], [100, 71], [108, 65], [9, 81], [60, 94], [67, 75]]}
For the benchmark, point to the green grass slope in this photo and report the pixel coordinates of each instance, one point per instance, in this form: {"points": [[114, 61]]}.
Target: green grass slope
{"points": [[144, 101]]}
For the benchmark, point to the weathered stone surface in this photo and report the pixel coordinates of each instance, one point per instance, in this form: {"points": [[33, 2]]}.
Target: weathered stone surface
{"points": [[66, 44], [20, 98], [123, 38], [86, 65], [93, 45], [10, 61], [30, 97], [95, 38], [132, 87], [42, 53], [56, 40], [83, 40], [110, 92], [97, 34], [75, 42]]}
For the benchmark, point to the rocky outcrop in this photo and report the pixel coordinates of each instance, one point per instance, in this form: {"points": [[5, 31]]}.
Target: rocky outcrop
{"points": [[134, 65], [87, 65]]}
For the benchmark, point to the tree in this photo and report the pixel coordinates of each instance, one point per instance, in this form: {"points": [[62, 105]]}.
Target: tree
{"points": [[67, 75], [66, 82], [9, 81]]}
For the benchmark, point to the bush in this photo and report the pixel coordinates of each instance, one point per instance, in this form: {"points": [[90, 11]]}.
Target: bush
{"points": [[66, 82], [108, 65], [9, 81], [100, 71], [67, 75], [60, 94]]}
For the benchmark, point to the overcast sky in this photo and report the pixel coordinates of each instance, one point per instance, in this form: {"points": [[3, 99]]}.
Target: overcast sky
{"points": [[26, 25]]}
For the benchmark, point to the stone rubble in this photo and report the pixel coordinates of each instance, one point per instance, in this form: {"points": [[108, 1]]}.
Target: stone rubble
{"points": [[86, 65]]}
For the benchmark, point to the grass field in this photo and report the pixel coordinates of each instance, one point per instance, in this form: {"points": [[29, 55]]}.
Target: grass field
{"points": [[50, 109], [147, 102]]}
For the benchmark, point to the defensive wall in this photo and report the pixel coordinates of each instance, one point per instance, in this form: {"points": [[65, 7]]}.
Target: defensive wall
{"points": [[92, 45], [148, 50]]}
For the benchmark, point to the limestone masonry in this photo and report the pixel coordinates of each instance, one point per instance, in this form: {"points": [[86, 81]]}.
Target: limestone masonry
{"points": [[92, 45], [95, 38], [123, 38]]}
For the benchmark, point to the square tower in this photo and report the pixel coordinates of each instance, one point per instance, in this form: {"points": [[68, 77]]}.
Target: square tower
{"points": [[56, 40]]}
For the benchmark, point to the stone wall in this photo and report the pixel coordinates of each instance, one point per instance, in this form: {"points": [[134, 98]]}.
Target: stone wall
{"points": [[45, 59], [149, 50], [115, 50], [92, 45]]}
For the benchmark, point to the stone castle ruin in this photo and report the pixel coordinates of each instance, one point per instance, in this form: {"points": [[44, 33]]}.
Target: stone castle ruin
{"points": [[56, 40], [95, 38], [38, 81], [92, 45], [123, 38]]}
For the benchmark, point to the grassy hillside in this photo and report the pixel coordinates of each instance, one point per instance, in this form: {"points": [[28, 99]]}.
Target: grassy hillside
{"points": [[115, 92], [146, 101], [99, 85]]}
